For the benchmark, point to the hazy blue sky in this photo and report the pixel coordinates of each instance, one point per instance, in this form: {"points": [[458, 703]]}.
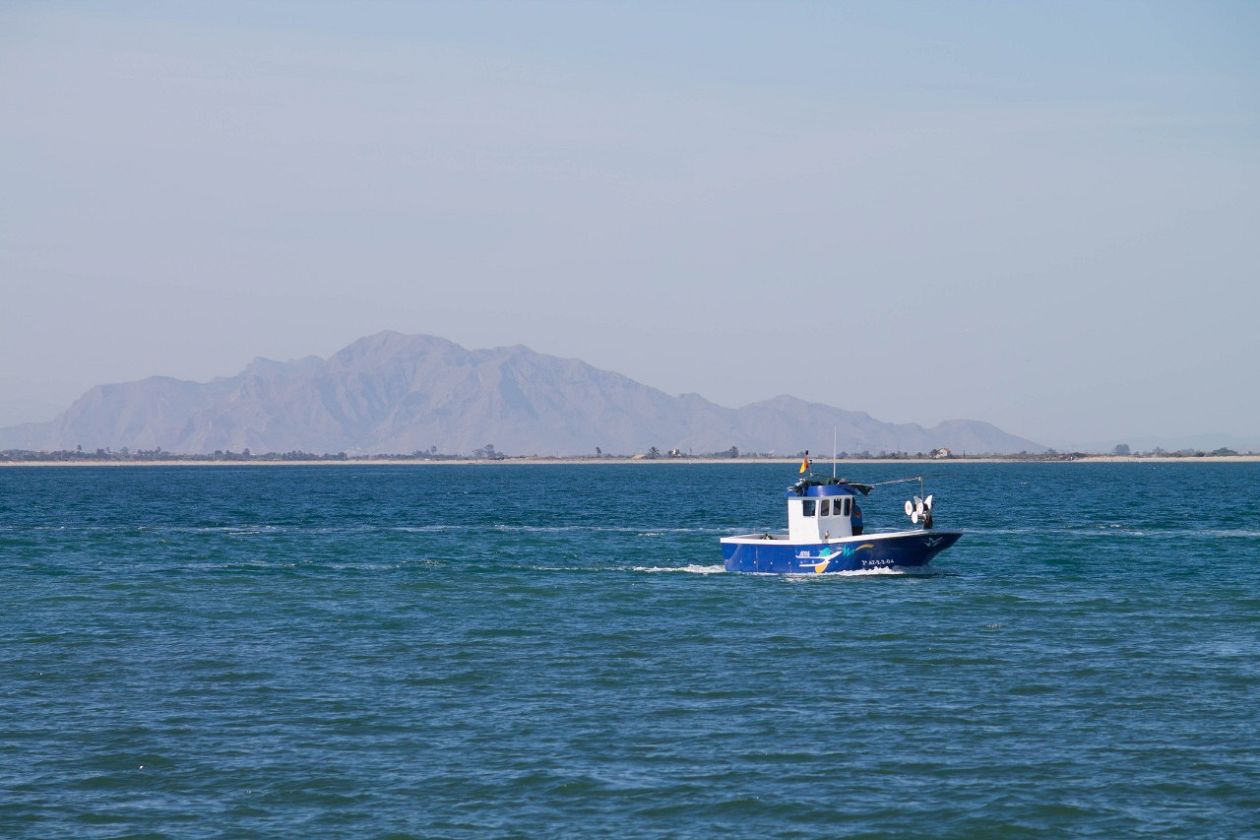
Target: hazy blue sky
{"points": [[1041, 215]]}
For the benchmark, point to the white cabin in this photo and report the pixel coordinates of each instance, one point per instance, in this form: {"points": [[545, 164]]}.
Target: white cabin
{"points": [[827, 515]]}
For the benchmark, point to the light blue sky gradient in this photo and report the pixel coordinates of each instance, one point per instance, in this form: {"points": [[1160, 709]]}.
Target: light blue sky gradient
{"points": [[1041, 215]]}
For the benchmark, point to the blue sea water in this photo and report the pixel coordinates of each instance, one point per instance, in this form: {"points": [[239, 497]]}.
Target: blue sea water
{"points": [[455, 651]]}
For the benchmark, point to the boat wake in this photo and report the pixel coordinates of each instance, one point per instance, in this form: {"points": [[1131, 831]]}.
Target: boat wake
{"points": [[883, 571], [718, 569]]}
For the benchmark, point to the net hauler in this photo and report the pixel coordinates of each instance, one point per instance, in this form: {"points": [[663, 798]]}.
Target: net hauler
{"points": [[825, 534]]}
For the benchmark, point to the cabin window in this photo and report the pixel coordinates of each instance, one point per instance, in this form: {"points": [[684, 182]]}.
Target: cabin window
{"points": [[807, 507], [826, 508], [846, 508]]}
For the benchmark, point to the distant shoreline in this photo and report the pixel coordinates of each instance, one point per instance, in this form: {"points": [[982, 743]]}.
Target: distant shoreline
{"points": [[819, 464]]}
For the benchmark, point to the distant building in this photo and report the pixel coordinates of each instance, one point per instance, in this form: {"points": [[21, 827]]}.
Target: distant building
{"points": [[941, 453]]}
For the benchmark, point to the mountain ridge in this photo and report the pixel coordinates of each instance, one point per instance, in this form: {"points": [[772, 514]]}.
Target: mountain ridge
{"points": [[393, 392]]}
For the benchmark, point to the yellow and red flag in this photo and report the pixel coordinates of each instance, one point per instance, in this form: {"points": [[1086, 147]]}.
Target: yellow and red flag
{"points": [[805, 461]]}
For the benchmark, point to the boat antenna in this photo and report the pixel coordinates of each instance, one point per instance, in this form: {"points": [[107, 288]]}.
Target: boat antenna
{"points": [[833, 451]]}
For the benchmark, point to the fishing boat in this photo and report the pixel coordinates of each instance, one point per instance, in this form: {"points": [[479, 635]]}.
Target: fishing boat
{"points": [[826, 534]]}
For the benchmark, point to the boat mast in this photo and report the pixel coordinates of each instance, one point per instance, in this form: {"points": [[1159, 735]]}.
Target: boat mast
{"points": [[833, 451]]}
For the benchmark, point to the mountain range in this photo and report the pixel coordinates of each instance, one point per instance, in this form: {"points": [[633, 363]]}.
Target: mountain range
{"points": [[395, 393]]}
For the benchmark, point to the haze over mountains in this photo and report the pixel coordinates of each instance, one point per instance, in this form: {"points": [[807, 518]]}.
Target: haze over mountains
{"points": [[395, 393]]}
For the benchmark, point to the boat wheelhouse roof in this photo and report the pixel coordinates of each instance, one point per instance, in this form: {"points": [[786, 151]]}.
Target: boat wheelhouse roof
{"points": [[813, 488]]}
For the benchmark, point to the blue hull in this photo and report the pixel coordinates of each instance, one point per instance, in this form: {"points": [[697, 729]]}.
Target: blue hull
{"points": [[875, 551]]}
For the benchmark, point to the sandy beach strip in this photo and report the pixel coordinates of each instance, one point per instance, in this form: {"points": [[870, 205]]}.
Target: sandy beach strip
{"points": [[819, 463]]}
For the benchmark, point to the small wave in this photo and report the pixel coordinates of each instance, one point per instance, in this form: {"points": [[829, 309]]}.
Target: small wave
{"points": [[978, 529], [693, 569], [604, 529], [230, 530]]}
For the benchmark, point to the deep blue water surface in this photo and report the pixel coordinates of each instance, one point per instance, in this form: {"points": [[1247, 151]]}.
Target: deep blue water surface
{"points": [[358, 651]]}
